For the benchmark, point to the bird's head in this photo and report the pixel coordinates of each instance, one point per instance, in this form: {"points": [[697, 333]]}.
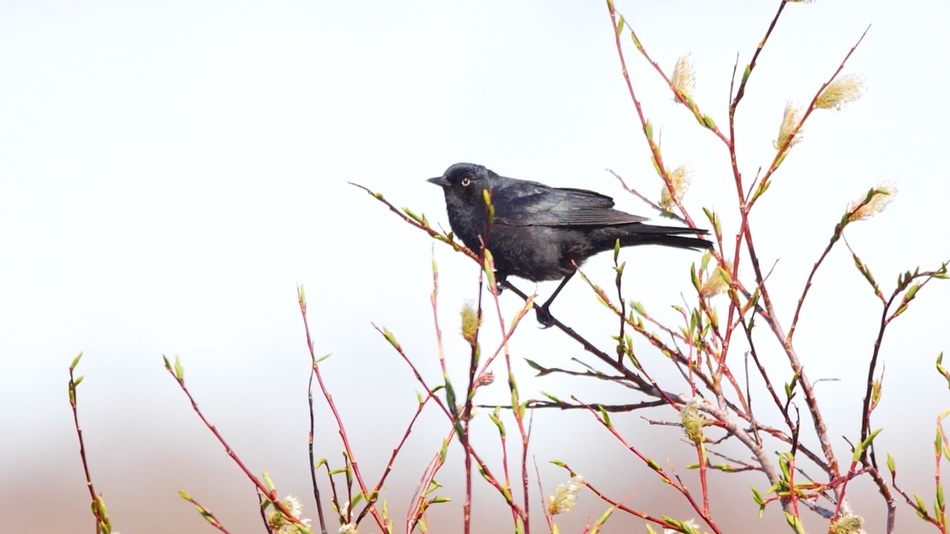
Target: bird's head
{"points": [[464, 183]]}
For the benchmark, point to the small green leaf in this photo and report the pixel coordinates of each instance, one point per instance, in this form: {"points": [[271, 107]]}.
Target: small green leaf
{"points": [[605, 416], [724, 274], [764, 186], [179, 369], [656, 164], [450, 397], [534, 365], [489, 267], [921, 507], [498, 422], [411, 214], [866, 272], [783, 462], [911, 293], [601, 520], [757, 497], [267, 481], [795, 523], [490, 208], [859, 450], [636, 41], [704, 262], [390, 338]]}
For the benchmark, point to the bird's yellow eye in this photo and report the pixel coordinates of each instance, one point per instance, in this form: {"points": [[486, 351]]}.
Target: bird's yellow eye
{"points": [[467, 181]]}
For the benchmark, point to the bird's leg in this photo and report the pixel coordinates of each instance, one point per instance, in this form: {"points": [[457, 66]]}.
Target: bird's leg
{"points": [[543, 313]]}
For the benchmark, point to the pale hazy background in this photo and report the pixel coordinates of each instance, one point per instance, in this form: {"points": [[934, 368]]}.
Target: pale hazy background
{"points": [[169, 172]]}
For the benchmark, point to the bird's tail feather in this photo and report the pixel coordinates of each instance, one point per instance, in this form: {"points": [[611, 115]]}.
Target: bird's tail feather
{"points": [[669, 236]]}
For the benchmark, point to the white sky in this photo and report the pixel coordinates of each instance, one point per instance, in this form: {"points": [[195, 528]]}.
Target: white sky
{"points": [[170, 171]]}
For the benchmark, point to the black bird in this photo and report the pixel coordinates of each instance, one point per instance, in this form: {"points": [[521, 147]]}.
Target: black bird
{"points": [[538, 230]]}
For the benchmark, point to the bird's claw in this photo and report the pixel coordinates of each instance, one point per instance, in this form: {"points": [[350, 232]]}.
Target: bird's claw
{"points": [[501, 282]]}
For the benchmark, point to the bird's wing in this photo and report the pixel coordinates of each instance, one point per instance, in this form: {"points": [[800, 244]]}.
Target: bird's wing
{"points": [[532, 204]]}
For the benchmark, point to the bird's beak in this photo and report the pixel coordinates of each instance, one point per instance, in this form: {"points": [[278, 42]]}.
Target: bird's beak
{"points": [[439, 181]]}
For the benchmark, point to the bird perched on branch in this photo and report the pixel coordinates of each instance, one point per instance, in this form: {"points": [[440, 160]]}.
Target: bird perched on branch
{"points": [[540, 232]]}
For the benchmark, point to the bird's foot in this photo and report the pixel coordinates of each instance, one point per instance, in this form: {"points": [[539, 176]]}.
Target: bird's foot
{"points": [[545, 319], [501, 282]]}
